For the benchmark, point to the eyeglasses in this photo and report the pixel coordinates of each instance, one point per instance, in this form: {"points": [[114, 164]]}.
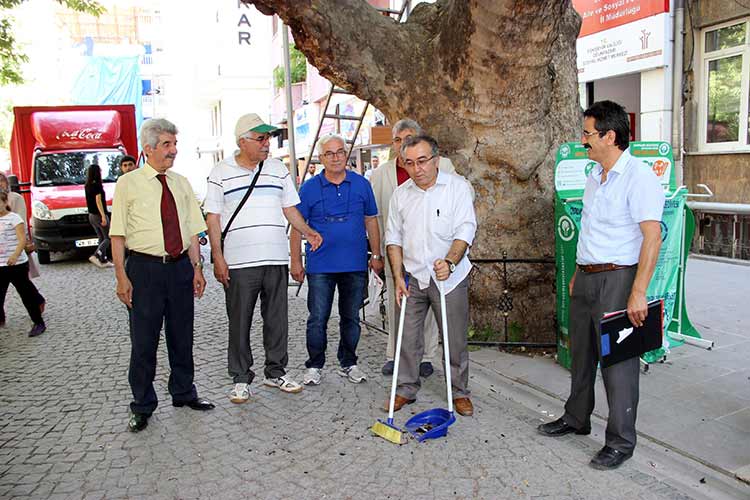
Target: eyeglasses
{"points": [[261, 139], [420, 162], [399, 140], [589, 134], [328, 155]]}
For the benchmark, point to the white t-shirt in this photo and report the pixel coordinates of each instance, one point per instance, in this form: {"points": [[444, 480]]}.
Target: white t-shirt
{"points": [[257, 236], [8, 238]]}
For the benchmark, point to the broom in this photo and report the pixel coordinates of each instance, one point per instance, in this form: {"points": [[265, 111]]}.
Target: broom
{"points": [[386, 429]]}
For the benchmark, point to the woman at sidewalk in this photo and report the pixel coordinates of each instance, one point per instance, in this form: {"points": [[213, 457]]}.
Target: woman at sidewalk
{"points": [[96, 202], [17, 205], [14, 264]]}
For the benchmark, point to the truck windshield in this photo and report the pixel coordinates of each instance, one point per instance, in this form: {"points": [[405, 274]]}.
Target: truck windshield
{"points": [[62, 169]]}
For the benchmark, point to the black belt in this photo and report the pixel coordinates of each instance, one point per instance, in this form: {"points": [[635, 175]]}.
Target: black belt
{"points": [[165, 259]]}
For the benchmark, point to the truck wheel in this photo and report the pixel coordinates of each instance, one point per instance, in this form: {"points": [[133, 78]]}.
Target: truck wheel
{"points": [[43, 256]]}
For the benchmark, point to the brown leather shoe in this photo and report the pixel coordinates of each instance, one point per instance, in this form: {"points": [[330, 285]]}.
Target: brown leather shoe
{"points": [[399, 403], [463, 406]]}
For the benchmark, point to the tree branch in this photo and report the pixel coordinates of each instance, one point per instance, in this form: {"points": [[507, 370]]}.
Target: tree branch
{"points": [[356, 47]]}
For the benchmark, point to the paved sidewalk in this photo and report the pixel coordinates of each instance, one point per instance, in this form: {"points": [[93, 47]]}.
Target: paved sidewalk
{"points": [[63, 409], [698, 402]]}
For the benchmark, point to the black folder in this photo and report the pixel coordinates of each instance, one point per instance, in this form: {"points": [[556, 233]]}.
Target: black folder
{"points": [[620, 340]]}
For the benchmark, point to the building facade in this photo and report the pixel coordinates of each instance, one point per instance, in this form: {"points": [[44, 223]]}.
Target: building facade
{"points": [[716, 123]]}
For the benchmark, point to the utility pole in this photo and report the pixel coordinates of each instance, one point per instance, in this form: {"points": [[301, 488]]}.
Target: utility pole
{"points": [[289, 104]]}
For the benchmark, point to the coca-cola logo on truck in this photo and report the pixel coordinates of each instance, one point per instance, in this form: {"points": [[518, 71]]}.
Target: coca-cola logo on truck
{"points": [[84, 134], [76, 129]]}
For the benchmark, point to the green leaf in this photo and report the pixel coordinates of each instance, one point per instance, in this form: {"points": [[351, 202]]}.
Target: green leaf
{"points": [[298, 68]]}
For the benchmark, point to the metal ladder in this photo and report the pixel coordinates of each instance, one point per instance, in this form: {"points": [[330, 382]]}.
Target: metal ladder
{"points": [[332, 115], [329, 115]]}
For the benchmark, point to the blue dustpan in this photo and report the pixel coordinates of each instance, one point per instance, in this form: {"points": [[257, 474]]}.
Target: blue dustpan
{"points": [[434, 423], [430, 424]]}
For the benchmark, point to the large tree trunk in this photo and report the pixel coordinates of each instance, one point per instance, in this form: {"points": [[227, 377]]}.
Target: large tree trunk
{"points": [[495, 82]]}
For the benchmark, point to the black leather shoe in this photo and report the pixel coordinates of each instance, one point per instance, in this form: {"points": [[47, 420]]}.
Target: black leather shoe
{"points": [[137, 422], [196, 404], [425, 369], [560, 428], [387, 368], [609, 458]]}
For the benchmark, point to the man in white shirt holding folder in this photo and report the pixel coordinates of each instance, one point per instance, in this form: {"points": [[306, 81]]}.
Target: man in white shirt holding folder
{"points": [[616, 256], [431, 224]]}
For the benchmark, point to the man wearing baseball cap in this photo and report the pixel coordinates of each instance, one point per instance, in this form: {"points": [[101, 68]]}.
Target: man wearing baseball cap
{"points": [[254, 257]]}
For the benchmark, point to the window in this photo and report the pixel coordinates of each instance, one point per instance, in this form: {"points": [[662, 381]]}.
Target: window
{"points": [[67, 169], [724, 88]]}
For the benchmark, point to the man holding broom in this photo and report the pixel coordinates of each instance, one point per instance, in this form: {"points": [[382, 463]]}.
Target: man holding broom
{"points": [[435, 210]]}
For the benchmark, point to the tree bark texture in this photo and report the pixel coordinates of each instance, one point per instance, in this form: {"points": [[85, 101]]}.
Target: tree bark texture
{"points": [[495, 82]]}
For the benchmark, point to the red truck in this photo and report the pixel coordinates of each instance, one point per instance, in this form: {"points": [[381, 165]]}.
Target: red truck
{"points": [[51, 149]]}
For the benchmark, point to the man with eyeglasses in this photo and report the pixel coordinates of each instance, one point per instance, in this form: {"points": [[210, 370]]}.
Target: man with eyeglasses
{"points": [[338, 203], [385, 180], [431, 224], [616, 255], [254, 257]]}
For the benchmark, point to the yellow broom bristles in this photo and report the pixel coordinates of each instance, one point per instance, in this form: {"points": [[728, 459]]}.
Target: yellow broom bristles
{"points": [[388, 433]]}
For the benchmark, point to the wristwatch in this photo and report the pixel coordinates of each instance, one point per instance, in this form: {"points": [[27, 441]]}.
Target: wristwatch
{"points": [[451, 265], [376, 257]]}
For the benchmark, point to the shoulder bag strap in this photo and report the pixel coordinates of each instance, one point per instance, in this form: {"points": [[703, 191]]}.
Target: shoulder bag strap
{"points": [[242, 203]]}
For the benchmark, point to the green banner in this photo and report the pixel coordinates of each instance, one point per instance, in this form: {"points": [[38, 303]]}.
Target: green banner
{"points": [[573, 167]]}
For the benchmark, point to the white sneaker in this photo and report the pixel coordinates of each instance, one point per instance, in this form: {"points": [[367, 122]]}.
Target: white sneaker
{"points": [[109, 263], [353, 373], [240, 393], [284, 383], [312, 376], [95, 260]]}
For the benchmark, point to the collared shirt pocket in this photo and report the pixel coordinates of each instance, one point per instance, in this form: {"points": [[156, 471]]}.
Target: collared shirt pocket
{"points": [[442, 227], [613, 210]]}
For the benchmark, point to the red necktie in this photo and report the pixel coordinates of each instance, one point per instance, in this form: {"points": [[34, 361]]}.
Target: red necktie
{"points": [[170, 222]]}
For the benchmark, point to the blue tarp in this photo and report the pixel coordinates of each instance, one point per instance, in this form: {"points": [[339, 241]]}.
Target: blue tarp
{"points": [[110, 80]]}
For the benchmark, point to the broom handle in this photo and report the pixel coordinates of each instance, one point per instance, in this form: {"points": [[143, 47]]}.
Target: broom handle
{"points": [[397, 358], [446, 348]]}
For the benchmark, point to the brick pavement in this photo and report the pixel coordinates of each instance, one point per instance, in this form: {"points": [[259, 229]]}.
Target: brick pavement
{"points": [[63, 410]]}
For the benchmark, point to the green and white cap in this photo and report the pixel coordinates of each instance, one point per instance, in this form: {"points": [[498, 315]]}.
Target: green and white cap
{"points": [[251, 122]]}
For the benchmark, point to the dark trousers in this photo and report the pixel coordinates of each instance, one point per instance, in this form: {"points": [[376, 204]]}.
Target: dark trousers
{"points": [[593, 295], [102, 233], [162, 294], [18, 275], [245, 285], [321, 287]]}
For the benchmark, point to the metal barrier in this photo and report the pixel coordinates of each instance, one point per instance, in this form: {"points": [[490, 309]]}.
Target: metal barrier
{"points": [[723, 229], [505, 301]]}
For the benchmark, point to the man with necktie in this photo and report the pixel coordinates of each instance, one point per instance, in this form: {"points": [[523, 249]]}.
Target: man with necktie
{"points": [[156, 216]]}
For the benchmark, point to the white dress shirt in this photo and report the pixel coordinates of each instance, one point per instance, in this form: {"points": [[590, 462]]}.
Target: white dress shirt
{"points": [[610, 231], [425, 223]]}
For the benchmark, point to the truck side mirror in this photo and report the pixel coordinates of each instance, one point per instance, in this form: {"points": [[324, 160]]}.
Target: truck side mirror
{"points": [[13, 183]]}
